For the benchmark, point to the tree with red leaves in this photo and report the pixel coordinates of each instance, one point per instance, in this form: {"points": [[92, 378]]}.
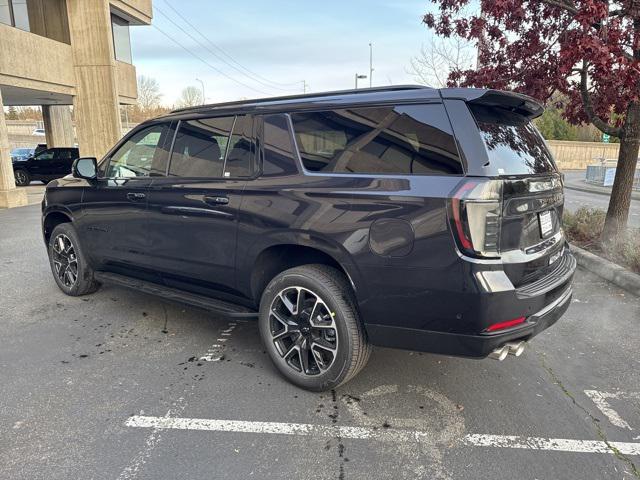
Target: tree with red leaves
{"points": [[588, 50]]}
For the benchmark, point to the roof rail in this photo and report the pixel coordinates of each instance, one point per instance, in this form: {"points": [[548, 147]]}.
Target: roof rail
{"points": [[390, 88]]}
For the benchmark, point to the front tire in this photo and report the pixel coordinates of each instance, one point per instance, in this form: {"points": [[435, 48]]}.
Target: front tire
{"points": [[310, 326], [22, 177], [69, 266]]}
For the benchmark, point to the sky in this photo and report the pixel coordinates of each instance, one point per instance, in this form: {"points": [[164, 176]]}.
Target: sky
{"points": [[275, 45]]}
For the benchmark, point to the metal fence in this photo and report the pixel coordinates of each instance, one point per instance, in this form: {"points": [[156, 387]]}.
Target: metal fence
{"points": [[604, 173]]}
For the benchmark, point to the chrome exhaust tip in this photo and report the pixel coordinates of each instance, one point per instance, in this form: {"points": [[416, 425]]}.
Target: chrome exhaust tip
{"points": [[500, 353], [515, 348]]}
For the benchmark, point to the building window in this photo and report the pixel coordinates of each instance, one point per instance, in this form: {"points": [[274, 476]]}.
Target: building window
{"points": [[121, 39], [14, 13]]}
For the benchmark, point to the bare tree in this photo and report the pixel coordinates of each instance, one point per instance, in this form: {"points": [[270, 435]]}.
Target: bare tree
{"points": [[439, 57], [148, 93], [190, 97]]}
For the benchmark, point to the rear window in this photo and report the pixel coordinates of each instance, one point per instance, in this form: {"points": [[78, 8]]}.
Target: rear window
{"points": [[405, 140], [514, 145]]}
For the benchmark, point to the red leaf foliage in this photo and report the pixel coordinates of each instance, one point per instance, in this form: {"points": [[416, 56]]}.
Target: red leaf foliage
{"points": [[538, 46]]}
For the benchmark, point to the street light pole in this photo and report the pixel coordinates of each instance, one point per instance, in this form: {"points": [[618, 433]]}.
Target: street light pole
{"points": [[202, 83], [370, 64], [359, 77]]}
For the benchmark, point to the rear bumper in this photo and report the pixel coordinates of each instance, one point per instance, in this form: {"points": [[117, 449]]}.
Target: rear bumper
{"points": [[492, 300], [475, 346]]}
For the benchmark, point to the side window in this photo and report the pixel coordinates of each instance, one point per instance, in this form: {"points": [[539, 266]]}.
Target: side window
{"points": [[143, 154], [46, 155], [277, 146], [242, 151], [65, 155], [405, 140], [200, 147]]}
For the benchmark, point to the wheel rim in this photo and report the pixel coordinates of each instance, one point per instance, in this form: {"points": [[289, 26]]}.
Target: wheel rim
{"points": [[65, 261], [21, 177], [303, 330]]}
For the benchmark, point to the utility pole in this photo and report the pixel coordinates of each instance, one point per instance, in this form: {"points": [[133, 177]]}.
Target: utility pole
{"points": [[359, 77], [370, 64], [304, 86], [203, 97]]}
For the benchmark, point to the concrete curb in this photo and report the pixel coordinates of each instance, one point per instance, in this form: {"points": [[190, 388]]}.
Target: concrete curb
{"points": [[586, 189], [616, 274]]}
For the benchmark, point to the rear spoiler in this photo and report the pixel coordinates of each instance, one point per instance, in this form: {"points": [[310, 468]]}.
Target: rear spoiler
{"points": [[515, 102]]}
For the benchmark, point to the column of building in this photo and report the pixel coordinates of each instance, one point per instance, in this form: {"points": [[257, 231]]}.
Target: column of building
{"points": [[10, 196], [96, 102], [58, 126]]}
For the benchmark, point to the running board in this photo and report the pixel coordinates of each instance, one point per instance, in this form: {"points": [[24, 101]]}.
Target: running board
{"points": [[213, 305]]}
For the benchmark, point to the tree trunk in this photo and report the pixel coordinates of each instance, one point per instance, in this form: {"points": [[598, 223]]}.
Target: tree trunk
{"points": [[618, 212]]}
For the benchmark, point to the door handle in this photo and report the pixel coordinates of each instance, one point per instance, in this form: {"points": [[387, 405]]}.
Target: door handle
{"points": [[216, 200], [135, 196]]}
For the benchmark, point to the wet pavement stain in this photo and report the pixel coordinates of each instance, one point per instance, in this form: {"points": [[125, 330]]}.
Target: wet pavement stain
{"points": [[334, 419]]}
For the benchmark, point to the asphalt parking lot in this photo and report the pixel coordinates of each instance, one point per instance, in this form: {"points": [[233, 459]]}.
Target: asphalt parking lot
{"points": [[120, 385]]}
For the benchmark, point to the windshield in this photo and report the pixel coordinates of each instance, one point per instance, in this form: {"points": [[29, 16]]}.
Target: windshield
{"points": [[22, 151], [514, 145]]}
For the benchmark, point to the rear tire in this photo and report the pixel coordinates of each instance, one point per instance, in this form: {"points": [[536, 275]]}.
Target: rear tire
{"points": [[310, 326], [69, 266], [22, 177]]}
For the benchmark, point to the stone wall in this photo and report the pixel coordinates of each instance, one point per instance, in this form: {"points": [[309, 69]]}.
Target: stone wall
{"points": [[577, 155]]}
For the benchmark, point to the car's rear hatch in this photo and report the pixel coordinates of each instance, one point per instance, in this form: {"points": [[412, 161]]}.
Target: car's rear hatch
{"points": [[532, 198], [519, 189]]}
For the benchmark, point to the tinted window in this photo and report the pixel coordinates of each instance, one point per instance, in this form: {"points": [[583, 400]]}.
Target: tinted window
{"points": [[241, 151], [14, 12], [20, 14], [410, 139], [142, 155], [278, 152], [200, 147], [514, 145], [121, 39], [66, 154], [5, 13], [46, 155]]}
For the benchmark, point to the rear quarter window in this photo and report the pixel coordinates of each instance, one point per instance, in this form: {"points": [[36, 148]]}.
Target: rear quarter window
{"points": [[402, 139], [514, 145]]}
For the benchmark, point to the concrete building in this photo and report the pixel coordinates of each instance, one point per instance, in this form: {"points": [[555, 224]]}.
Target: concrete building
{"points": [[57, 53]]}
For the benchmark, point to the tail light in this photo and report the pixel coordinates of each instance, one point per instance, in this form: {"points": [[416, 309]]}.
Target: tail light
{"points": [[476, 217]]}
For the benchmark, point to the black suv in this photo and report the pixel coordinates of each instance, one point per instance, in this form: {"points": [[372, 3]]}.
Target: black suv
{"points": [[403, 217], [45, 165]]}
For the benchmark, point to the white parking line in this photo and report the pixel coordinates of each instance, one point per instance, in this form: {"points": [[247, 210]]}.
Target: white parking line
{"points": [[215, 353], [551, 444], [601, 401], [382, 434], [133, 468]]}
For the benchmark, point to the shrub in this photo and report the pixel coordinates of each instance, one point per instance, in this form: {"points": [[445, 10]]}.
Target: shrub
{"points": [[584, 226], [627, 250]]}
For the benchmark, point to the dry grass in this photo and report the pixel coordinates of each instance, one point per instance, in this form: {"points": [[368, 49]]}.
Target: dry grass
{"points": [[584, 228]]}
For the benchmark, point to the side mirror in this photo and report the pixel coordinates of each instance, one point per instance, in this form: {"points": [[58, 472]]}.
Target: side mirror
{"points": [[86, 167]]}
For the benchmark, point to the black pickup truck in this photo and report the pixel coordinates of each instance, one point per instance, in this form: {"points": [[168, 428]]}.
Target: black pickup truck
{"points": [[45, 166]]}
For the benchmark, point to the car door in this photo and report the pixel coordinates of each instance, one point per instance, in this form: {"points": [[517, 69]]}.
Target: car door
{"points": [[63, 160], [41, 165], [193, 211], [114, 221]]}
